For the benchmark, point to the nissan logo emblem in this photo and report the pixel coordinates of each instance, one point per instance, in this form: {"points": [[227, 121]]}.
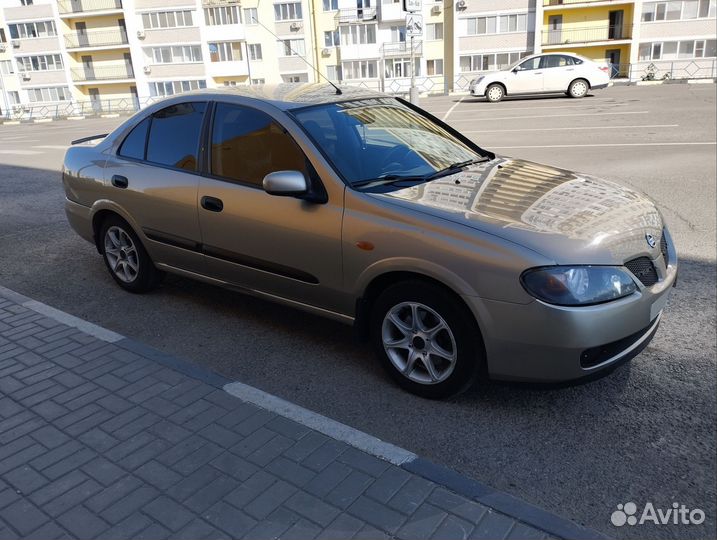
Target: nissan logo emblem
{"points": [[650, 240]]}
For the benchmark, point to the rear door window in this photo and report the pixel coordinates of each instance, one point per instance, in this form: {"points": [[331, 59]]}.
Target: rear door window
{"points": [[174, 136], [248, 144], [134, 144]]}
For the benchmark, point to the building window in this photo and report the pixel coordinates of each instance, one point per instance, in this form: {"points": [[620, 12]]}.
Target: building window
{"points": [[396, 68], [222, 15], [674, 50], [487, 62], [169, 88], [226, 51], [14, 97], [46, 62], [434, 67], [333, 73], [287, 12], [179, 54], [255, 51], [251, 16], [360, 69], [32, 30], [496, 24], [434, 31], [673, 11], [6, 67], [398, 34], [26, 2], [291, 47], [51, 93], [331, 5], [258, 81], [355, 34], [332, 38], [167, 19]]}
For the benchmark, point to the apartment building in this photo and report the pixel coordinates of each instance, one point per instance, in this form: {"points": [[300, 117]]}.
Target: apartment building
{"points": [[105, 52]]}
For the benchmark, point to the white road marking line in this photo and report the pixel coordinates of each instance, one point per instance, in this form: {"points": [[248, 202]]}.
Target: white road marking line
{"points": [[572, 128], [488, 118], [454, 106], [331, 428], [75, 322], [53, 146], [613, 144], [505, 109], [20, 152]]}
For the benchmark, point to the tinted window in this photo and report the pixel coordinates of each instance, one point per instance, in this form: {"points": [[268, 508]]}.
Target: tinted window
{"points": [[557, 60], [133, 145], [532, 63], [174, 135], [247, 145]]}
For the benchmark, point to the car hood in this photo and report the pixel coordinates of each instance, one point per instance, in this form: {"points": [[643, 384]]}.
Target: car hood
{"points": [[568, 217]]}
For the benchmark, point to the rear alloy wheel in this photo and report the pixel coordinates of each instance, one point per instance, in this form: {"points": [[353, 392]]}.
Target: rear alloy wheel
{"points": [[578, 88], [426, 340], [125, 257], [494, 93]]}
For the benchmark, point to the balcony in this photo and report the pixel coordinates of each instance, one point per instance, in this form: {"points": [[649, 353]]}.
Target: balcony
{"points": [[354, 15], [584, 34], [96, 38], [402, 48], [69, 7], [92, 73], [579, 3]]}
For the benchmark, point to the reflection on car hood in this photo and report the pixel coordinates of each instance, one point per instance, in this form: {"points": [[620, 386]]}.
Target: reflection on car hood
{"points": [[571, 218]]}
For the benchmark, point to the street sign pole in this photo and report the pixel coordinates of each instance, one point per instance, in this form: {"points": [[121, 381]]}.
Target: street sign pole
{"points": [[414, 27], [413, 95]]}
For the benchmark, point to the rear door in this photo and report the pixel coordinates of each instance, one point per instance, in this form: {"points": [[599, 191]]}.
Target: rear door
{"points": [[155, 177], [278, 245], [558, 72]]}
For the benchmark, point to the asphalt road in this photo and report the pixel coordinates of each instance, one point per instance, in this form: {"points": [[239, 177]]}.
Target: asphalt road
{"points": [[646, 433]]}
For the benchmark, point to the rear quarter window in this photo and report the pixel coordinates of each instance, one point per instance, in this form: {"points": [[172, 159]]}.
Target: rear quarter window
{"points": [[134, 144]]}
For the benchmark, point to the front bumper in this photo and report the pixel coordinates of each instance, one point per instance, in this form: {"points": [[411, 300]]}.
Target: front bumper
{"points": [[539, 342]]}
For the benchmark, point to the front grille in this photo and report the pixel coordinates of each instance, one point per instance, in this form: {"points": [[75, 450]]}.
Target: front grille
{"points": [[644, 270], [663, 249]]}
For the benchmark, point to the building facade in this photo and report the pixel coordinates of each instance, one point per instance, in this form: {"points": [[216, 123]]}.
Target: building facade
{"points": [[119, 53]]}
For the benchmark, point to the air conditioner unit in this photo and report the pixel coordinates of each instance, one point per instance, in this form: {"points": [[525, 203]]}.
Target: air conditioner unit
{"points": [[461, 4], [325, 52], [2, 47], [15, 43], [147, 69], [296, 26], [436, 10], [140, 34], [26, 77]]}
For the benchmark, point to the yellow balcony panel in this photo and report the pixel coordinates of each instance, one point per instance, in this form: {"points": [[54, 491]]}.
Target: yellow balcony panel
{"points": [[572, 35], [97, 39], [559, 5], [88, 8], [94, 74]]}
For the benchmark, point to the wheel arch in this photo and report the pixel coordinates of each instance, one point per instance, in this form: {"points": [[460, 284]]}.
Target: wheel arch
{"points": [[581, 79], [101, 210], [499, 83]]}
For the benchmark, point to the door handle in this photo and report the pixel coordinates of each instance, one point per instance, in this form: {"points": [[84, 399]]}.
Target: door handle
{"points": [[538, 73], [570, 69], [212, 204], [120, 181]]}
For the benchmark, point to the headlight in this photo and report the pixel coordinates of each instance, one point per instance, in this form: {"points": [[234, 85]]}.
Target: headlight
{"points": [[577, 285]]}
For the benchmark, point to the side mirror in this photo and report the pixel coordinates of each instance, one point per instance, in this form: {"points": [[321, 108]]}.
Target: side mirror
{"points": [[286, 184], [516, 69]]}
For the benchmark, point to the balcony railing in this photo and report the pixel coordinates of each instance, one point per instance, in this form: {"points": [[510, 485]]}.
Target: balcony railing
{"points": [[96, 38], [82, 6], [585, 34], [102, 73], [553, 3], [350, 15], [402, 48]]}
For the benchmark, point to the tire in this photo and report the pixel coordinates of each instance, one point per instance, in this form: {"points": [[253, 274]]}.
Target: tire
{"points": [[494, 93], [447, 339], [578, 88], [126, 259]]}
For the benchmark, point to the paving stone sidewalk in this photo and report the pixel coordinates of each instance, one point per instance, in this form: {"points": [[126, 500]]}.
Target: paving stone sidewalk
{"points": [[97, 441]]}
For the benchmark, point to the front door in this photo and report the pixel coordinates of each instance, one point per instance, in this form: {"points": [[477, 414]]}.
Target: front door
{"points": [[526, 77], [95, 100], [555, 29], [81, 28], [135, 97], [612, 56], [88, 68], [615, 28], [278, 245]]}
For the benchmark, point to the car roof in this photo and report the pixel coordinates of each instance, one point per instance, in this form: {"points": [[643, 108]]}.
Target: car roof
{"points": [[290, 95]]}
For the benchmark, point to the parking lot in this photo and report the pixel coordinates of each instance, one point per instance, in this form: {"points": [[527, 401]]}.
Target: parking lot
{"points": [[644, 433]]}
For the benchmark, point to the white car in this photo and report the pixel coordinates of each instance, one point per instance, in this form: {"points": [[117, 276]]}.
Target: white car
{"points": [[543, 73]]}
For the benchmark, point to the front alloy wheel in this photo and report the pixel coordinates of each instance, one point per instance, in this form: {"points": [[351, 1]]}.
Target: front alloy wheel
{"points": [[494, 93]]}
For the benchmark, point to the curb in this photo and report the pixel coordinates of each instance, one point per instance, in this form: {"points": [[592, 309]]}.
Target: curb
{"points": [[460, 484]]}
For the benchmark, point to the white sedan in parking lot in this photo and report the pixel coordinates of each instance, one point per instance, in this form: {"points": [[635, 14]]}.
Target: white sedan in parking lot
{"points": [[543, 73]]}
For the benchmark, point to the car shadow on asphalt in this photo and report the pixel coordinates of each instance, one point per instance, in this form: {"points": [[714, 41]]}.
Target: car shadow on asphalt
{"points": [[506, 99]]}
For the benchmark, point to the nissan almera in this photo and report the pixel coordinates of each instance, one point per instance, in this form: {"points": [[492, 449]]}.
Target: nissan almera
{"points": [[458, 264]]}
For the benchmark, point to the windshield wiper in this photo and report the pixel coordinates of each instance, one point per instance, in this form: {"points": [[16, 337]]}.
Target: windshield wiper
{"points": [[387, 179], [453, 167]]}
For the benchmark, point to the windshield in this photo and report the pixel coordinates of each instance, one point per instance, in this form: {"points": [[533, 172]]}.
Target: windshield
{"points": [[377, 138]]}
